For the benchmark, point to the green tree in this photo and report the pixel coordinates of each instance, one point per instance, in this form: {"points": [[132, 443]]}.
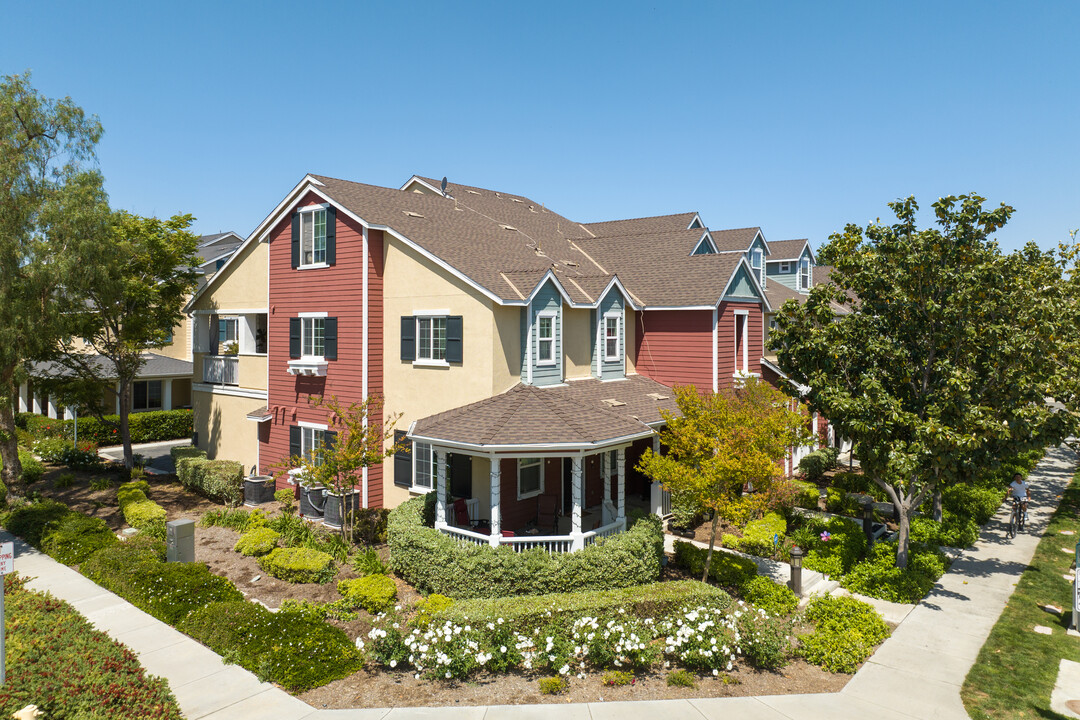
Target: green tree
{"points": [[945, 356], [125, 301], [361, 441], [49, 198], [719, 443]]}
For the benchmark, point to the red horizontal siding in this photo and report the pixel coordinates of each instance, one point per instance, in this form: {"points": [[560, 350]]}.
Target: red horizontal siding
{"points": [[727, 362], [674, 347]]}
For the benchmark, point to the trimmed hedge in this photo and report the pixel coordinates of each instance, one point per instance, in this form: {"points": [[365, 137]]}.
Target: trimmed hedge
{"points": [[257, 541], [814, 465], [846, 631], [144, 426], [75, 537], [374, 593], [727, 570], [220, 480], [139, 511], [296, 655], [30, 522], [772, 597], [878, 576], [59, 662], [761, 537], [432, 561], [657, 599], [299, 565], [168, 591]]}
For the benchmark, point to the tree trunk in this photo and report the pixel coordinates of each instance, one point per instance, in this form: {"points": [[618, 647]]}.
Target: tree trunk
{"points": [[937, 504], [903, 534], [125, 429], [9, 440], [712, 541]]}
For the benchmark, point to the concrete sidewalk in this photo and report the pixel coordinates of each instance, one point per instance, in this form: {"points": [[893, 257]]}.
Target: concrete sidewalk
{"points": [[917, 673]]}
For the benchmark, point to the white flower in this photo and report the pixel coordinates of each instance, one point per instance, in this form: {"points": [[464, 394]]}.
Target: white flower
{"points": [[393, 663]]}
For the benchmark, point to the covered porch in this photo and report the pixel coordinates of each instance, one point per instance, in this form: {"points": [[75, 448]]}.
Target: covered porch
{"points": [[544, 467]]}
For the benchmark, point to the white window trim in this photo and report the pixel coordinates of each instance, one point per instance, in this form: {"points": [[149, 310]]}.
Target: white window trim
{"points": [[745, 315], [304, 357], [416, 487], [804, 263], [313, 314], [537, 492], [309, 426], [785, 267], [618, 336], [429, 362], [553, 314], [310, 210]]}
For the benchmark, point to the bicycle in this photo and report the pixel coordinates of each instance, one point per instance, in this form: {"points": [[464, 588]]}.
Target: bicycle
{"points": [[1017, 518]]}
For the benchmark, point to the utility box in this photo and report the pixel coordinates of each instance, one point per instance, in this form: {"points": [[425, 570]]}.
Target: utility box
{"points": [[180, 541]]}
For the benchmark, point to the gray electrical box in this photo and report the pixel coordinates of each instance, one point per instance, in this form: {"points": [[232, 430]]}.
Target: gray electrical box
{"points": [[180, 541]]}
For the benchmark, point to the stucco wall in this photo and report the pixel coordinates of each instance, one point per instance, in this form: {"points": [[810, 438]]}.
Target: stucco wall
{"points": [[224, 431], [577, 332], [240, 286]]}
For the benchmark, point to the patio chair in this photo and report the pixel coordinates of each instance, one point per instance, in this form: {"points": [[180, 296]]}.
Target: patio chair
{"points": [[546, 509], [461, 514]]}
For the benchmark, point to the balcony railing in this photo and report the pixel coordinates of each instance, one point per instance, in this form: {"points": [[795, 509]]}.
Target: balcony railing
{"points": [[221, 369]]}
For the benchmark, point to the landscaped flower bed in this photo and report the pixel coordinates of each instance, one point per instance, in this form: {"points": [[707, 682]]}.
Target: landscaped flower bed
{"points": [[56, 660]]}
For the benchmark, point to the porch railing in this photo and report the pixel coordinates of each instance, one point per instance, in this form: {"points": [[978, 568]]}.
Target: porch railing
{"points": [[550, 543], [221, 369], [467, 536], [606, 531]]}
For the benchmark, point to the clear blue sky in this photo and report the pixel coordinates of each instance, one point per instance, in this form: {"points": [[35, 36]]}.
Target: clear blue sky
{"points": [[798, 117]]}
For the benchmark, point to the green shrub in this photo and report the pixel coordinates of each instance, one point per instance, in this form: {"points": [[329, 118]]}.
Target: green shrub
{"points": [[232, 518], [842, 503], [432, 561], [531, 611], [845, 633], [429, 607], [953, 531], [144, 427], [367, 562], [553, 685], [186, 468], [100, 483], [617, 678], [727, 570], [31, 521], [185, 451], [220, 480], [374, 593], [139, 511], [878, 576], [168, 591], [765, 639], [296, 655], [807, 496], [761, 537], [967, 501], [681, 678], [258, 541], [287, 498], [75, 537], [299, 565], [64, 481], [59, 662], [836, 555], [32, 469], [814, 465], [369, 525], [772, 597]]}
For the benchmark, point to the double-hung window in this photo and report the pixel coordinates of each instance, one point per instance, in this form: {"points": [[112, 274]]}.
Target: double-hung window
{"points": [[146, 395], [742, 350], [311, 443], [313, 333], [228, 338], [545, 339], [425, 471], [611, 338], [431, 338], [756, 258], [313, 237], [530, 477], [804, 274]]}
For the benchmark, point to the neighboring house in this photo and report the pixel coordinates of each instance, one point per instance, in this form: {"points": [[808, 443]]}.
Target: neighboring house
{"points": [[529, 356]]}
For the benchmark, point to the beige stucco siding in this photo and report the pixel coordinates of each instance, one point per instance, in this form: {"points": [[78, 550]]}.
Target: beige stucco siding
{"points": [[242, 285], [506, 346], [180, 348], [577, 346], [223, 429]]}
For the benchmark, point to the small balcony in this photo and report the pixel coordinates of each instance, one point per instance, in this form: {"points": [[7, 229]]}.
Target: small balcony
{"points": [[221, 370]]}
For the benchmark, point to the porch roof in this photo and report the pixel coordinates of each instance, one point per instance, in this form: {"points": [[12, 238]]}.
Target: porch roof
{"points": [[154, 366], [580, 414]]}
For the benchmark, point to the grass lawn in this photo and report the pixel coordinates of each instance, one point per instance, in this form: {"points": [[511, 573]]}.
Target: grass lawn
{"points": [[1016, 668]]}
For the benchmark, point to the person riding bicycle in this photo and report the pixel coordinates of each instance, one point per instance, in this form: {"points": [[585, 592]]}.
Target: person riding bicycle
{"points": [[1021, 491]]}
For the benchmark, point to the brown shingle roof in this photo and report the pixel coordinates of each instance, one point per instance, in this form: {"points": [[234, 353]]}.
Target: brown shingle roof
{"points": [[639, 226], [574, 413], [786, 249], [736, 240], [778, 294]]}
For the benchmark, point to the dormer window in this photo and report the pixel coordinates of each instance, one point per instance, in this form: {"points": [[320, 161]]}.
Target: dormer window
{"points": [[757, 261], [804, 274], [545, 339], [612, 333], [313, 237]]}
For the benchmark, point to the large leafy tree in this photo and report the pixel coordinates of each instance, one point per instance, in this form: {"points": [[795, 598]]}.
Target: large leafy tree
{"points": [[719, 443], [50, 196], [945, 356], [125, 301]]}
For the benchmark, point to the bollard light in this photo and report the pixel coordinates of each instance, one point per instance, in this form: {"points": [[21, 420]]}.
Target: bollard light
{"points": [[868, 520], [796, 570]]}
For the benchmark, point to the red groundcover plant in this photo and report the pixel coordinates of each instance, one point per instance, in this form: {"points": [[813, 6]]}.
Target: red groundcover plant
{"points": [[58, 661]]}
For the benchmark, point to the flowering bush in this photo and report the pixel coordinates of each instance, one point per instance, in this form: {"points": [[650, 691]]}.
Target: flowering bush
{"points": [[702, 638]]}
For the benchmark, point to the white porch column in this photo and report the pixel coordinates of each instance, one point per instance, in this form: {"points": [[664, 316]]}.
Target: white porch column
{"points": [[35, 401], [22, 398], [620, 467], [575, 484], [817, 437], [496, 490], [166, 394], [440, 488], [52, 408], [605, 472], [69, 413], [117, 398], [656, 500]]}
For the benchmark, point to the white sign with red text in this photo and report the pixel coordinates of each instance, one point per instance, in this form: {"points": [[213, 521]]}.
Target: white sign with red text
{"points": [[7, 558]]}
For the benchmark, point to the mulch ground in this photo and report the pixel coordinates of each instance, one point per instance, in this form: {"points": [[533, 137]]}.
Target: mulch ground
{"points": [[214, 546]]}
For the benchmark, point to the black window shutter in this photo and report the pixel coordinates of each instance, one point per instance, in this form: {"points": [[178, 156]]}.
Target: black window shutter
{"points": [[296, 240], [330, 338], [295, 326], [294, 441], [402, 461], [331, 235], [214, 330], [453, 338], [408, 337]]}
